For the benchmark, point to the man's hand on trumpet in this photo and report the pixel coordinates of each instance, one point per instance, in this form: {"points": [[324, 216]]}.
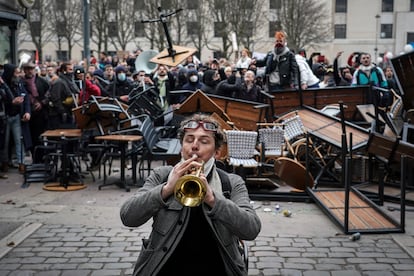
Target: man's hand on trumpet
{"points": [[189, 166]]}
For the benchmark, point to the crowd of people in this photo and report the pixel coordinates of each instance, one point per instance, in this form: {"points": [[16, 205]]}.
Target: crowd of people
{"points": [[36, 97]]}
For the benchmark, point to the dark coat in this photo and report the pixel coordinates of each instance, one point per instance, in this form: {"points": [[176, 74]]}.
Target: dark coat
{"points": [[18, 89], [286, 65], [6, 98]]}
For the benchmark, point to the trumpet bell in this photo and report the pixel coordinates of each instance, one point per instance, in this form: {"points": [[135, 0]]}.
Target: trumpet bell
{"points": [[190, 190]]}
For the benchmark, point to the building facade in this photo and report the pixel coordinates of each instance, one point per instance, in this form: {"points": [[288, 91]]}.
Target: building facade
{"points": [[374, 26], [10, 16]]}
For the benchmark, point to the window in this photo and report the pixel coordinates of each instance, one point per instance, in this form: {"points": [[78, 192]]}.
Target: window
{"points": [[341, 5], [387, 5], [112, 5], [247, 29], [139, 4], [192, 5], [340, 31], [61, 28], [410, 38], [166, 5], [192, 27], [139, 30], [248, 5], [60, 5], [275, 4], [273, 27], [36, 5], [36, 28], [62, 55], [219, 29], [412, 5], [112, 29], [386, 31], [219, 4]]}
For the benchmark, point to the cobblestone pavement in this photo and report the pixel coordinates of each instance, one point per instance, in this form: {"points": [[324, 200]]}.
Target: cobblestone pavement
{"points": [[80, 233]]}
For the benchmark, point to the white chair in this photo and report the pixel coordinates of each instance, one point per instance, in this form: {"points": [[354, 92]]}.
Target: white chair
{"points": [[241, 148], [271, 143]]}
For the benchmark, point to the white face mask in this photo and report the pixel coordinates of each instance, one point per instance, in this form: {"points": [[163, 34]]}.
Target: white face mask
{"points": [[121, 76], [194, 78]]}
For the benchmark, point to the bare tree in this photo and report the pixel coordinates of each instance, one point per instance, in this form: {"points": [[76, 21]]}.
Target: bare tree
{"points": [[34, 28], [99, 25], [305, 22], [196, 25], [239, 16], [65, 22], [121, 23]]}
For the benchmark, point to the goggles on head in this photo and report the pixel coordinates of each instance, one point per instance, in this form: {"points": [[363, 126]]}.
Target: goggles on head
{"points": [[208, 126]]}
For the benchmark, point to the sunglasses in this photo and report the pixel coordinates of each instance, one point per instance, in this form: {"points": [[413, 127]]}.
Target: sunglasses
{"points": [[208, 126]]}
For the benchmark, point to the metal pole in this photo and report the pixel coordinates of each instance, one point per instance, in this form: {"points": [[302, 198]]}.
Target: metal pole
{"points": [[86, 33], [377, 17]]}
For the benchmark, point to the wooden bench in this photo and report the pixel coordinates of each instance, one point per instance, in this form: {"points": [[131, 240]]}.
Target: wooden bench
{"points": [[286, 101]]}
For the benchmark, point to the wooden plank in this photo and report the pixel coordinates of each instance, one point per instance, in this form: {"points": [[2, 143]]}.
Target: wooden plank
{"points": [[403, 66], [336, 199], [286, 101], [244, 114], [330, 129], [362, 215]]}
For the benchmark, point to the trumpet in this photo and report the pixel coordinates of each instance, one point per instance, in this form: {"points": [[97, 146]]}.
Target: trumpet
{"points": [[190, 190]]}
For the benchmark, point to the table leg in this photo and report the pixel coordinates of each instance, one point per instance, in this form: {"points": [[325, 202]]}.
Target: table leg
{"points": [[122, 183]]}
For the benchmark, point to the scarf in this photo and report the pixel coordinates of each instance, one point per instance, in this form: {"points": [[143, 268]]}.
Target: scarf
{"points": [[366, 69], [278, 53], [31, 86]]}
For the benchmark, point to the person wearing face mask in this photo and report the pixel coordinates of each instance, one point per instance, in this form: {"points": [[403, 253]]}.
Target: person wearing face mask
{"points": [[193, 82], [281, 66], [121, 86], [62, 98]]}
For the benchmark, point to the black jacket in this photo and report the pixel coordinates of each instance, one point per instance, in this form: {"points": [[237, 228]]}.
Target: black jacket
{"points": [[286, 65]]}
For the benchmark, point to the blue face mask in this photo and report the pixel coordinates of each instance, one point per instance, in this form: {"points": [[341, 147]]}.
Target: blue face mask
{"points": [[121, 76]]}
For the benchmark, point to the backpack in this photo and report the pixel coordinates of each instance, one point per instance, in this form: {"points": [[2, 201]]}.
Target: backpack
{"points": [[225, 183]]}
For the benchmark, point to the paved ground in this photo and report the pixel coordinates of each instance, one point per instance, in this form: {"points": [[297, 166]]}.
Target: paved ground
{"points": [[80, 233]]}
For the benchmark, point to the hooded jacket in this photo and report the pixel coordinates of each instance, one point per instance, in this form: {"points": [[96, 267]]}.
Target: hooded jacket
{"points": [[17, 88], [209, 84]]}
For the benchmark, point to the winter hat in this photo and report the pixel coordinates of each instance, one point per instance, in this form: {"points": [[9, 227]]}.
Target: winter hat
{"points": [[120, 68], [99, 73]]}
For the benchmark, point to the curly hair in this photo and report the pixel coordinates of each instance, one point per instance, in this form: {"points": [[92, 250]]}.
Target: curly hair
{"points": [[219, 135]]}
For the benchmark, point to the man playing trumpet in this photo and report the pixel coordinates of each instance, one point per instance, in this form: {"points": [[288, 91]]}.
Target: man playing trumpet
{"points": [[201, 240]]}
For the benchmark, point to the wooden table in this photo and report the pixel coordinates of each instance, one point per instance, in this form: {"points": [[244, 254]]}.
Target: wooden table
{"points": [[328, 129], [123, 140], [62, 135]]}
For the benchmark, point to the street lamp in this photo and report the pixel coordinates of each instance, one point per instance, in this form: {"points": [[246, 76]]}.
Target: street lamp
{"points": [[377, 17]]}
